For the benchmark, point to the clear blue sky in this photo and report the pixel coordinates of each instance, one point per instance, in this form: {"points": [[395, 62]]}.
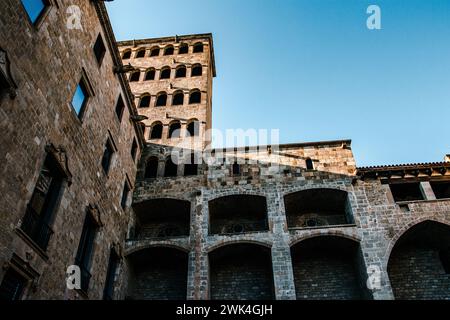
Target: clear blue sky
{"points": [[312, 69]]}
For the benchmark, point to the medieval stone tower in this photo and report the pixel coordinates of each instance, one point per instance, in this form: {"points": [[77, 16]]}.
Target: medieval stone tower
{"points": [[172, 82], [88, 180]]}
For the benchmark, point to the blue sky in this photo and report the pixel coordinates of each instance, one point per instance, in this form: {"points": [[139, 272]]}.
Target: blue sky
{"points": [[312, 69]]}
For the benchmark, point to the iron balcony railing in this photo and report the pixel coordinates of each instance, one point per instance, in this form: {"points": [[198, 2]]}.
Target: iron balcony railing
{"points": [[36, 228]]}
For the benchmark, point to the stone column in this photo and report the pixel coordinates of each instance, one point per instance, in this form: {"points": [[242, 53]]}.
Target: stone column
{"points": [[283, 275], [427, 191], [198, 272]]}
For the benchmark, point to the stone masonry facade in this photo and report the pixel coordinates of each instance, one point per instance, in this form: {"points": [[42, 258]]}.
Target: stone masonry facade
{"points": [[285, 222]]}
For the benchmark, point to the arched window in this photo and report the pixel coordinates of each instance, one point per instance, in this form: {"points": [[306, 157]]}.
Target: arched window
{"points": [[181, 72], [193, 129], [183, 49], [151, 168], [198, 47], [165, 73], [168, 51], [309, 164], [145, 101], [178, 98], [170, 169], [174, 130], [140, 53], [154, 52], [197, 70], [161, 100], [195, 97], [126, 55], [134, 77], [190, 166], [150, 74], [156, 132]]}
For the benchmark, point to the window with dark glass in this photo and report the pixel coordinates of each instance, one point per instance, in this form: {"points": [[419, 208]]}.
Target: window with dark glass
{"points": [[161, 101], [43, 204], [145, 101], [183, 49], [107, 156], [154, 52], [80, 98], [85, 250], [125, 193], [236, 169], [174, 130], [441, 189], [156, 132], [108, 292], [165, 73], [192, 129], [197, 71], [171, 169], [198, 47], [134, 77], [151, 168], [150, 75], [13, 286], [99, 49], [191, 168], [126, 55], [406, 191], [140, 53], [178, 99], [181, 72], [120, 106], [195, 97], [168, 51], [309, 164], [34, 8], [134, 148]]}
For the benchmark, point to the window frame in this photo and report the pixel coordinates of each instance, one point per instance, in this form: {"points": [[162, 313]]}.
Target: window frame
{"points": [[121, 103], [109, 143], [41, 16], [89, 94], [103, 52]]}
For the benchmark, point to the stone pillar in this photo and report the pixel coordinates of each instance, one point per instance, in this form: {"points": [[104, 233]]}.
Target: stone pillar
{"points": [[198, 272], [427, 191], [283, 274]]}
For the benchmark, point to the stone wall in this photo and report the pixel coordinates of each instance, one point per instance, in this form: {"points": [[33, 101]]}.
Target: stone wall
{"points": [[47, 62]]}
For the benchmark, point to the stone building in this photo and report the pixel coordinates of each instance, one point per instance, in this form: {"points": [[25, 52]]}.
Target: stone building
{"points": [[296, 221], [69, 148], [106, 170]]}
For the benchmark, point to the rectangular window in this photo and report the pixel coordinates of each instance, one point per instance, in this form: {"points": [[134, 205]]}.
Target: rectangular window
{"points": [[80, 98], [42, 206], [34, 8], [108, 293], [107, 156], [85, 249], [126, 192], [120, 106], [441, 189], [406, 192], [99, 49], [134, 148], [12, 286]]}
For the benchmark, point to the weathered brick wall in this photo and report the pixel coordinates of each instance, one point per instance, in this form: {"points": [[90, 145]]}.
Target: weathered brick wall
{"points": [[242, 274], [47, 62], [160, 275], [417, 273], [326, 273]]}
